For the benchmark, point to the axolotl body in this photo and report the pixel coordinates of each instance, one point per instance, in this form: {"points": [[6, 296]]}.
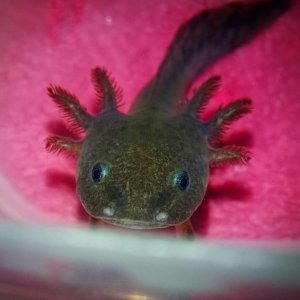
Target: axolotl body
{"points": [[150, 168]]}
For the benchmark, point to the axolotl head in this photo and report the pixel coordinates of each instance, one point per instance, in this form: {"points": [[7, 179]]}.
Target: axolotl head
{"points": [[142, 171], [150, 168]]}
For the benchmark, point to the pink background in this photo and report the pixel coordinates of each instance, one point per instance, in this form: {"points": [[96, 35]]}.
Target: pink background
{"points": [[61, 41]]}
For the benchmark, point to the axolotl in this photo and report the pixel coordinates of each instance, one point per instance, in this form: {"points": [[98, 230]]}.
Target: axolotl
{"points": [[149, 168]]}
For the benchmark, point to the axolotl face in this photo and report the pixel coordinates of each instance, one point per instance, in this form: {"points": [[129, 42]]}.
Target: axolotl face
{"points": [[142, 172]]}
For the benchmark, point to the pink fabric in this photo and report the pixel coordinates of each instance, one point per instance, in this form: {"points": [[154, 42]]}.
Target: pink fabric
{"points": [[61, 41]]}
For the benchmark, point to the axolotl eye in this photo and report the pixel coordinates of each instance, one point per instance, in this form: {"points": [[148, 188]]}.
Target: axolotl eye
{"points": [[180, 180], [99, 172]]}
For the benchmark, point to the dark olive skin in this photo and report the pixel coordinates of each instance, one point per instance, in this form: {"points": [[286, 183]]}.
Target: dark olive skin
{"points": [[149, 168], [131, 147]]}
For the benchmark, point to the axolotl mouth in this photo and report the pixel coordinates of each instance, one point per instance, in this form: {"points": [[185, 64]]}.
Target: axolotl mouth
{"points": [[134, 224]]}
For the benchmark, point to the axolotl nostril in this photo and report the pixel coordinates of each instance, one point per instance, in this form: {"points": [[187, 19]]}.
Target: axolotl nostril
{"points": [[149, 168]]}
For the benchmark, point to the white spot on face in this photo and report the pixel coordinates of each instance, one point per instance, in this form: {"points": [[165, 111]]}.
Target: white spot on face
{"points": [[108, 211], [161, 217]]}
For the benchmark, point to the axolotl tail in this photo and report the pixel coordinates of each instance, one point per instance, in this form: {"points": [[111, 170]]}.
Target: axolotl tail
{"points": [[200, 42]]}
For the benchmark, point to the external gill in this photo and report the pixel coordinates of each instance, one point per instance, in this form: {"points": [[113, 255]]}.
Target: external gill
{"points": [[215, 127], [78, 119]]}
